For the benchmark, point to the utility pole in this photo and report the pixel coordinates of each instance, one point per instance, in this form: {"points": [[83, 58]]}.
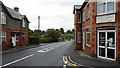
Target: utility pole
{"points": [[39, 27], [38, 22]]}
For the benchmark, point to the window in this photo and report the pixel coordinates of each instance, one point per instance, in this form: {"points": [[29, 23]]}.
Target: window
{"points": [[75, 35], [79, 18], [3, 18], [88, 37], [23, 36], [83, 16], [105, 6], [17, 38], [3, 36], [88, 12], [23, 23], [79, 36]]}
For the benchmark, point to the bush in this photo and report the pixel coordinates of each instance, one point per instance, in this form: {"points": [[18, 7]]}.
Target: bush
{"points": [[34, 40], [46, 40]]}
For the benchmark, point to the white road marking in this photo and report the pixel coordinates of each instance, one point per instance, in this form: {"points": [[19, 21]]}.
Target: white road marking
{"points": [[47, 49], [17, 60]]}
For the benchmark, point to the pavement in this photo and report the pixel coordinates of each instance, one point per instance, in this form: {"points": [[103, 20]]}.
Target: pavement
{"points": [[82, 59]]}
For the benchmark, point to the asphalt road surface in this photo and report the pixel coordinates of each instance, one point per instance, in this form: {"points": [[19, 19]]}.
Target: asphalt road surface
{"points": [[49, 55]]}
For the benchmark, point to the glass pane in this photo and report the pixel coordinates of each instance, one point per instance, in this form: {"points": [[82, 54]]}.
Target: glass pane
{"points": [[102, 52], [111, 53], [111, 39], [101, 8], [102, 39], [110, 6], [88, 38]]}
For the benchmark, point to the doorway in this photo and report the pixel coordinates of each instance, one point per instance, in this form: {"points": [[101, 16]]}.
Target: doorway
{"points": [[107, 44]]}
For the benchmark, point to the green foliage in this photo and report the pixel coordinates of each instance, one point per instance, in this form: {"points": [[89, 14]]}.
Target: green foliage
{"points": [[67, 37], [46, 40], [33, 40], [61, 30], [53, 34], [69, 32]]}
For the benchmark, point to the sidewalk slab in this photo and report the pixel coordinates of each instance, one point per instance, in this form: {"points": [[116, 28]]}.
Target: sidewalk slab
{"points": [[81, 58]]}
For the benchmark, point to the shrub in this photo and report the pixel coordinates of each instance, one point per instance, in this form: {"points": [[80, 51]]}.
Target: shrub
{"points": [[46, 40], [33, 40]]}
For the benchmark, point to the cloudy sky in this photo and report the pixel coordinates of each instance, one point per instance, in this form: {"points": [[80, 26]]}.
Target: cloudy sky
{"points": [[54, 13]]}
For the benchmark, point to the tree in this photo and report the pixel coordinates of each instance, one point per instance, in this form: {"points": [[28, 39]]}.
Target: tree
{"points": [[69, 32], [73, 31], [53, 34], [61, 30]]}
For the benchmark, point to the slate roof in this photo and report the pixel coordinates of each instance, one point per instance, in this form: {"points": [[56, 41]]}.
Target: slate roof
{"points": [[14, 14]]}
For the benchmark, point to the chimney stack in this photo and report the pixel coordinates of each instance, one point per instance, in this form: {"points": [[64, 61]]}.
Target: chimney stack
{"points": [[16, 9]]}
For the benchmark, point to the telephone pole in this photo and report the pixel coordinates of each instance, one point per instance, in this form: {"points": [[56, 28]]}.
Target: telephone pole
{"points": [[39, 28], [38, 22]]}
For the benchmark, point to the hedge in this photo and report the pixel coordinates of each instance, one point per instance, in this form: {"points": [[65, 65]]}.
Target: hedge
{"points": [[33, 41], [46, 40]]}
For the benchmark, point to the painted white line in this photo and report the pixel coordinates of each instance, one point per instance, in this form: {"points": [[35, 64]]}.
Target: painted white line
{"points": [[17, 60]]}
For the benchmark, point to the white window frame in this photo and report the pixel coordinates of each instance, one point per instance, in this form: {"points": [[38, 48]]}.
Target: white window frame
{"points": [[3, 36], [23, 23], [87, 31], [106, 12], [3, 18]]}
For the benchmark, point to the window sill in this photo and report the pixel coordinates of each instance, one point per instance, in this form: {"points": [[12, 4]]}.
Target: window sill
{"points": [[88, 45], [108, 13]]}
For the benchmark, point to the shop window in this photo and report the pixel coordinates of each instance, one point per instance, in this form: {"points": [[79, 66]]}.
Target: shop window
{"points": [[3, 18], [88, 37], [106, 6], [3, 37]]}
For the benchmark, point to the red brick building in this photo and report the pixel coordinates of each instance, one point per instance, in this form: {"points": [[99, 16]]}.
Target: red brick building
{"points": [[13, 27], [101, 28], [77, 26]]}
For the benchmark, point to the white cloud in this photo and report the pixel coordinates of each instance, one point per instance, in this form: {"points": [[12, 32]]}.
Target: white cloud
{"points": [[54, 13]]}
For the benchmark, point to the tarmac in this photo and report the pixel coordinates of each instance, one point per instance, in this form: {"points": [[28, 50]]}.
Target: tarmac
{"points": [[77, 56]]}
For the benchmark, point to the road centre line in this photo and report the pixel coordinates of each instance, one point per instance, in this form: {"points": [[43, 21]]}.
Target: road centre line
{"points": [[17, 60]]}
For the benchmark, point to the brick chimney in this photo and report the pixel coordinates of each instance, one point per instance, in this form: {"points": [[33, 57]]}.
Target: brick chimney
{"points": [[16, 9]]}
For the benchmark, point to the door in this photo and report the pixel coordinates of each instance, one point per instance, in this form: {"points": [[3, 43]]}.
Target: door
{"points": [[83, 40], [14, 40], [106, 44]]}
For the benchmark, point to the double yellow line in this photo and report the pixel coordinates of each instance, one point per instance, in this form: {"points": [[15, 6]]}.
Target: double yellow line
{"points": [[65, 60]]}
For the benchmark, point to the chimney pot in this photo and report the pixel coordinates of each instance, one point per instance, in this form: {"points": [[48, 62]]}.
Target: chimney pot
{"points": [[16, 9]]}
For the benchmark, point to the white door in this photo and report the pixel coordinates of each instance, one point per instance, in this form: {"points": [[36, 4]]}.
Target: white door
{"points": [[83, 40], [14, 40], [107, 44]]}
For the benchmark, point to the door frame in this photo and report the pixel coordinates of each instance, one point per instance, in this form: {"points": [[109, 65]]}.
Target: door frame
{"points": [[106, 31], [14, 40]]}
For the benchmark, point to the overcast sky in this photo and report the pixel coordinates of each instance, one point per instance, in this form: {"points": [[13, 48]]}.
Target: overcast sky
{"points": [[54, 13]]}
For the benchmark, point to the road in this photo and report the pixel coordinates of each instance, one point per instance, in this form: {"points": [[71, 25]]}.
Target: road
{"points": [[49, 55]]}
